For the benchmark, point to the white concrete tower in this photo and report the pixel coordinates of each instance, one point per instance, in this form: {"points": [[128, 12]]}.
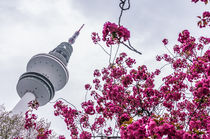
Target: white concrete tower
{"points": [[45, 74]]}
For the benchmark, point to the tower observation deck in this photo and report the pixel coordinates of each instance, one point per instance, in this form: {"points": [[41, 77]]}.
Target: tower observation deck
{"points": [[45, 74]]}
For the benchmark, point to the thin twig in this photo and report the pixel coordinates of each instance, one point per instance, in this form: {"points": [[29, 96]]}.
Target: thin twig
{"points": [[110, 54], [103, 49], [169, 51], [121, 5], [65, 101], [116, 52], [131, 47]]}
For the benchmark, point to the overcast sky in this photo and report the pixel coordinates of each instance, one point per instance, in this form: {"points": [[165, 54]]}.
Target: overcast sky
{"points": [[29, 27]]}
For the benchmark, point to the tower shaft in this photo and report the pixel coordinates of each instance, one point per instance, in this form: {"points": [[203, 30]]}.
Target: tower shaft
{"points": [[22, 105]]}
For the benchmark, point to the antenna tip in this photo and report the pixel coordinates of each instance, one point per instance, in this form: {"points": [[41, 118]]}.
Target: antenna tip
{"points": [[81, 27]]}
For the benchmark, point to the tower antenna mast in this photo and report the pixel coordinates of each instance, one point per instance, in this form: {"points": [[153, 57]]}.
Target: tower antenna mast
{"points": [[76, 34]]}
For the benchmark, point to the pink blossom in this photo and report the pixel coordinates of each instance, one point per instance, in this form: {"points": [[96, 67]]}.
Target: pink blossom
{"points": [[165, 41], [96, 73], [87, 87]]}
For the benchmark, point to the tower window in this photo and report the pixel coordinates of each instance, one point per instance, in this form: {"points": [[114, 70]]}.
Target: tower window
{"points": [[64, 46]]}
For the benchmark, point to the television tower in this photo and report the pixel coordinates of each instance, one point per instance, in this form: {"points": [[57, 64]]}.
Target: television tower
{"points": [[45, 74]]}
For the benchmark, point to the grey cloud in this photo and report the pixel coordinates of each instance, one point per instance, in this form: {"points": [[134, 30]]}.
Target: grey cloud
{"points": [[97, 9]]}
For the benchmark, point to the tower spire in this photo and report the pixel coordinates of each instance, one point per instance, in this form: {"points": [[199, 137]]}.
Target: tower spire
{"points": [[76, 34]]}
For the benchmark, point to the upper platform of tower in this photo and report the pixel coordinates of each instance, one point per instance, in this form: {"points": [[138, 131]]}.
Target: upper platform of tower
{"points": [[64, 50]]}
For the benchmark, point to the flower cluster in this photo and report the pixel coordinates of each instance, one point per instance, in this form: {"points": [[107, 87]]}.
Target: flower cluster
{"points": [[98, 123], [204, 1], [88, 107], [188, 44], [204, 40], [43, 134], [87, 87], [202, 88], [165, 41], [204, 20], [69, 115], [31, 122], [85, 135], [30, 118], [108, 132], [95, 37], [113, 34], [136, 130]]}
